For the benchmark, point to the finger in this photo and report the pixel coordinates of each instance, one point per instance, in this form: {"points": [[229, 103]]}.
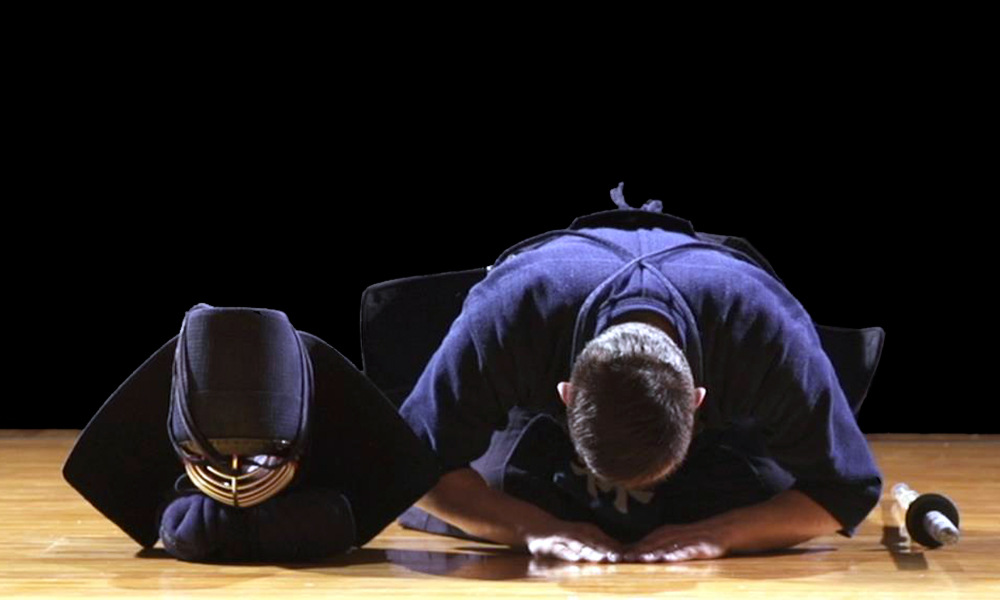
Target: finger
{"points": [[565, 552], [562, 553], [553, 549], [575, 546], [648, 552], [647, 546], [593, 555], [615, 554], [605, 549], [677, 556], [687, 552]]}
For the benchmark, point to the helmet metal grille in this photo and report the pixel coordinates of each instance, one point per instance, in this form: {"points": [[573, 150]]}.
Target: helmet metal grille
{"points": [[250, 483]]}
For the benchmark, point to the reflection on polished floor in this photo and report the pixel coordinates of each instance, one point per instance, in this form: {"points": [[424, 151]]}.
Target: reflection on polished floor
{"points": [[52, 543]]}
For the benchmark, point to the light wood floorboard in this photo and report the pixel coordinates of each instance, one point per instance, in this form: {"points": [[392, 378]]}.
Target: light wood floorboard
{"points": [[54, 544]]}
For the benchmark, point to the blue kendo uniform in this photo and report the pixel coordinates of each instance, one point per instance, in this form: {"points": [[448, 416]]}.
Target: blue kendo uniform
{"points": [[775, 415]]}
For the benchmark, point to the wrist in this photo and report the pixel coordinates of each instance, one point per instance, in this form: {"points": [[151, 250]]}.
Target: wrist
{"points": [[782, 521], [463, 500], [538, 525], [728, 530]]}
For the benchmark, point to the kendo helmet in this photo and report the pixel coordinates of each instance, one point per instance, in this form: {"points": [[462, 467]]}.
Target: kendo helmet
{"points": [[253, 408], [241, 392]]}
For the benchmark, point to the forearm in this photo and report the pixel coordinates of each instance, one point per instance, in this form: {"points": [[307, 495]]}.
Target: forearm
{"points": [[463, 499], [785, 520]]}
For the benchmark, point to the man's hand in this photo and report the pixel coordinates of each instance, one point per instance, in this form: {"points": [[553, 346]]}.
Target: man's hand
{"points": [[463, 499], [575, 542], [672, 543], [787, 519]]}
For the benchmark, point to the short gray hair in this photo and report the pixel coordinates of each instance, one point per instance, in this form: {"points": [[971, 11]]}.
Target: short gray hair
{"points": [[633, 403]]}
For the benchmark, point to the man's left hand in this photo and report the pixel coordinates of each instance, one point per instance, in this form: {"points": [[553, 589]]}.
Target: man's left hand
{"points": [[674, 543]]}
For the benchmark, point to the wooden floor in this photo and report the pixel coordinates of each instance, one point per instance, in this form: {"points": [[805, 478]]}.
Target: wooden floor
{"points": [[52, 543]]}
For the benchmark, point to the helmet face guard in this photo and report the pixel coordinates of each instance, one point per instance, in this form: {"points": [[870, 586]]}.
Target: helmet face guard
{"points": [[248, 481], [239, 409]]}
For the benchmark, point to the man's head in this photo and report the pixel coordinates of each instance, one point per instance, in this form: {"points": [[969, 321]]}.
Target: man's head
{"points": [[630, 404]]}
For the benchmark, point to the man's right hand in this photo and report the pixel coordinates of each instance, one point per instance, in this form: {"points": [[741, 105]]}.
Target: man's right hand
{"points": [[463, 499], [575, 542]]}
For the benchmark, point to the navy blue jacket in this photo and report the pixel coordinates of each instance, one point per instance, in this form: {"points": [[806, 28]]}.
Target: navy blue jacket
{"points": [[747, 339]]}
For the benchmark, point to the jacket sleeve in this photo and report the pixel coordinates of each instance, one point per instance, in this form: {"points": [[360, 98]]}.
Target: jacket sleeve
{"points": [[471, 381], [789, 387]]}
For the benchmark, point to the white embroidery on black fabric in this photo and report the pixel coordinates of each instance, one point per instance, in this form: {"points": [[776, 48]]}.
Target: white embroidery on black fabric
{"points": [[622, 494]]}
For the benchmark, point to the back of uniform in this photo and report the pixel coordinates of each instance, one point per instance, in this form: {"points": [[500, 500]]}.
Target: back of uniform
{"points": [[775, 415]]}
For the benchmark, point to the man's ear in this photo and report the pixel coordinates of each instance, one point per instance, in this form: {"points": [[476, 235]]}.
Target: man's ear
{"points": [[565, 390], [699, 396]]}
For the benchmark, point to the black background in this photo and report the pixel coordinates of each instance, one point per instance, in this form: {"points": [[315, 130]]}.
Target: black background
{"points": [[107, 282], [137, 198], [147, 172]]}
